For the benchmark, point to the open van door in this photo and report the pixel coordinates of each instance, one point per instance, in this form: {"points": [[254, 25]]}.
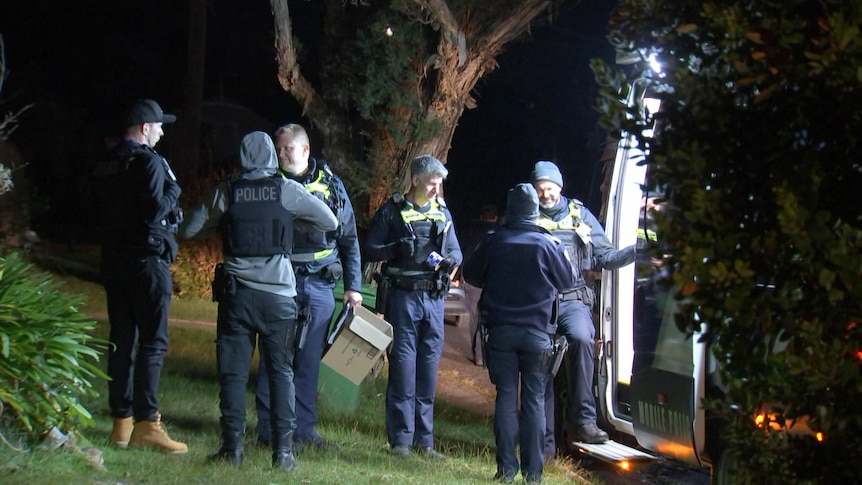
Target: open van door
{"points": [[650, 383]]}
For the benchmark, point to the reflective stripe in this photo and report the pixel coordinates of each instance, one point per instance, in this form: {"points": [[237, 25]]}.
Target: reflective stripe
{"points": [[647, 234], [309, 257], [319, 185], [434, 213], [571, 221]]}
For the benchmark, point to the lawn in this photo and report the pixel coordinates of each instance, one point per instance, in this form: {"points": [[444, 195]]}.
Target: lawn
{"points": [[189, 405]]}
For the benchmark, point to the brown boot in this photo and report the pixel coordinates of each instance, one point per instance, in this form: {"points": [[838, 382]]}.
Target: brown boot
{"points": [[122, 432], [152, 434]]}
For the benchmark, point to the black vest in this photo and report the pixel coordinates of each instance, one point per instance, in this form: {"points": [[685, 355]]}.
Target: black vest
{"points": [[256, 222]]}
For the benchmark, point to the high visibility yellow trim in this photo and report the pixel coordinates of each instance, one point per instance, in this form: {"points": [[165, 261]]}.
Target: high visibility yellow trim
{"points": [[308, 257], [409, 214], [647, 234], [567, 222], [319, 185]]}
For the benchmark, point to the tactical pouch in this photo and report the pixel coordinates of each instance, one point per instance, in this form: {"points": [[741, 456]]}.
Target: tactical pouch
{"points": [[156, 245], [332, 272], [302, 320], [589, 296], [384, 287], [553, 357], [224, 284], [486, 349], [441, 285], [483, 340]]}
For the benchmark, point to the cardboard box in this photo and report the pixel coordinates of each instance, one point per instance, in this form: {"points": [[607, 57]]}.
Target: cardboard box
{"points": [[359, 345]]}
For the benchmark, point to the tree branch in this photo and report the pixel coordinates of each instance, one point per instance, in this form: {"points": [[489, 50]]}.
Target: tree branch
{"points": [[10, 121], [517, 22], [452, 33], [289, 75]]}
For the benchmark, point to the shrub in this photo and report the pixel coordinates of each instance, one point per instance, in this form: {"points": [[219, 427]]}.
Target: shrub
{"points": [[48, 356], [193, 270], [759, 154]]}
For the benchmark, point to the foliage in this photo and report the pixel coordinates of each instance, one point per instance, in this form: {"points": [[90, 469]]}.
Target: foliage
{"points": [[9, 164], [9, 122], [394, 78], [382, 74], [48, 357], [192, 272], [189, 396], [758, 151]]}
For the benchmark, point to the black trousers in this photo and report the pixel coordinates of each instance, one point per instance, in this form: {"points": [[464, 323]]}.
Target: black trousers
{"points": [[241, 319], [139, 297]]}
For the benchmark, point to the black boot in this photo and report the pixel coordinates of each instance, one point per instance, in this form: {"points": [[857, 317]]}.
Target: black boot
{"points": [[231, 449], [282, 452]]}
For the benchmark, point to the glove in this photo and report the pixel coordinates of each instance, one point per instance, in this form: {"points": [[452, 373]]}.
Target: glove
{"points": [[448, 263], [406, 248]]}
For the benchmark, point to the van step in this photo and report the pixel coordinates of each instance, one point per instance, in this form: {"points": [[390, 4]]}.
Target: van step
{"points": [[615, 453]]}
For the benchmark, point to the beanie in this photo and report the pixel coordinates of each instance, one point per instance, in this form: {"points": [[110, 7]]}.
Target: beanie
{"points": [[522, 203], [547, 171]]}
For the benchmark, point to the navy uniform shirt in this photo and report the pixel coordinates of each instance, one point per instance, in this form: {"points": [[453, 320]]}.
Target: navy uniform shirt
{"points": [[521, 268]]}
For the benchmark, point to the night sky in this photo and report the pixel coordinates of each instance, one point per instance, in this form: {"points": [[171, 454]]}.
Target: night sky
{"points": [[81, 62]]}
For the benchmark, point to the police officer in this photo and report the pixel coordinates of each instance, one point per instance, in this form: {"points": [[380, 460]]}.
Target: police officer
{"points": [[319, 260], [469, 239], [139, 203], [519, 326], [414, 235], [256, 213], [589, 249]]}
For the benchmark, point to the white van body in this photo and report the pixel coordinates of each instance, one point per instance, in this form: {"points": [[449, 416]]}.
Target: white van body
{"points": [[650, 376]]}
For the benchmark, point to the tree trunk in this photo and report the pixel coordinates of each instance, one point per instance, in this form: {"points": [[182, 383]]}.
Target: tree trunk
{"points": [[457, 70]]}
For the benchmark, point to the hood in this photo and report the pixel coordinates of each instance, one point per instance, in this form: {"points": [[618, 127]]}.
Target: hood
{"points": [[257, 156], [522, 204]]}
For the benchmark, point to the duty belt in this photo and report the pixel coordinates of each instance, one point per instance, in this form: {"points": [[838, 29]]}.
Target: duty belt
{"points": [[410, 284], [572, 295], [303, 270]]}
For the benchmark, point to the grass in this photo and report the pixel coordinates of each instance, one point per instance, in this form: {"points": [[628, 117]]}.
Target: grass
{"points": [[189, 405]]}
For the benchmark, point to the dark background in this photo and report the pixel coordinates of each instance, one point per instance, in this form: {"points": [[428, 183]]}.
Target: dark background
{"points": [[80, 63]]}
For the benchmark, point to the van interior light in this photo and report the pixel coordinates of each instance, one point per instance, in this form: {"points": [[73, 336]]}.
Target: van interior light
{"points": [[654, 64]]}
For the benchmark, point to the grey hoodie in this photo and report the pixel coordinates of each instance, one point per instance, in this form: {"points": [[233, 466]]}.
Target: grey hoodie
{"points": [[273, 274]]}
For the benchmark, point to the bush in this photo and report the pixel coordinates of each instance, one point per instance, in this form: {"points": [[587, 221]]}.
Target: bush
{"points": [[759, 154], [48, 356], [193, 270]]}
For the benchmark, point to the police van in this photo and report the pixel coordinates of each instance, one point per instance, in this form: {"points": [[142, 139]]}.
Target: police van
{"points": [[650, 376]]}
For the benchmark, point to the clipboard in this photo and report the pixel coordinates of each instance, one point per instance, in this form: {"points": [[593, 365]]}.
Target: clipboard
{"points": [[344, 318]]}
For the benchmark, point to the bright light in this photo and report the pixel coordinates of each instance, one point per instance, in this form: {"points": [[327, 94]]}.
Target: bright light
{"points": [[654, 64], [819, 437], [388, 31], [625, 465]]}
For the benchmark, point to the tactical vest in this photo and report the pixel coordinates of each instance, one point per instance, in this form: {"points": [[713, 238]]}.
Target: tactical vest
{"points": [[426, 228], [256, 223], [315, 246], [574, 233]]}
